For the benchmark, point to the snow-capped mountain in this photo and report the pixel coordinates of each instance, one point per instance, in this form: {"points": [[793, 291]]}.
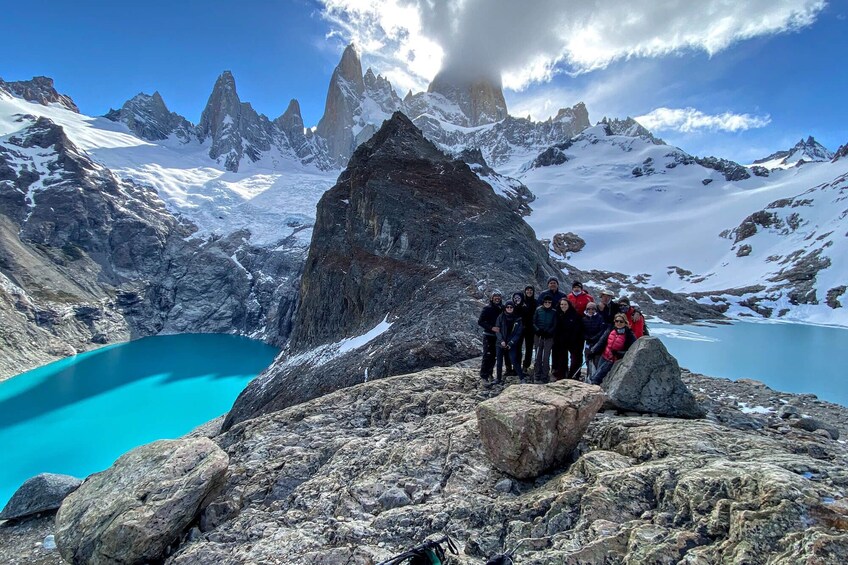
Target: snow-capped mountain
{"points": [[805, 151], [653, 213], [682, 223], [148, 117]]}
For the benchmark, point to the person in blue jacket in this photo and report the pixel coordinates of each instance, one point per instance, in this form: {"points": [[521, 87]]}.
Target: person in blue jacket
{"points": [[509, 341]]}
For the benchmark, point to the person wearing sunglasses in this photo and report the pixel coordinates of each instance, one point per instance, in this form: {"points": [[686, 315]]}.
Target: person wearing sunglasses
{"points": [[615, 344]]}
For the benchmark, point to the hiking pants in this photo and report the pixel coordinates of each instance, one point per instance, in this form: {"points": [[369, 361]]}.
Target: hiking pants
{"points": [[514, 354], [542, 370], [488, 364], [604, 366]]}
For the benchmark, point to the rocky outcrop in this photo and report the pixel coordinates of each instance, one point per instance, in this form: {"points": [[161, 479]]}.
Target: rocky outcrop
{"points": [[529, 429], [133, 511], [149, 118], [39, 90], [647, 380], [630, 128], [41, 493], [364, 473], [805, 151], [406, 232]]}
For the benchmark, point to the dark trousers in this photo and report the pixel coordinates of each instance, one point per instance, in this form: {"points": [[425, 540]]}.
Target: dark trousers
{"points": [[562, 368], [488, 364], [512, 354], [528, 348], [542, 368]]}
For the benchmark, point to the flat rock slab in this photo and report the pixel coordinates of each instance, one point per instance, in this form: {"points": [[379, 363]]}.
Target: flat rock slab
{"points": [[41, 493], [529, 429], [647, 380], [132, 512]]}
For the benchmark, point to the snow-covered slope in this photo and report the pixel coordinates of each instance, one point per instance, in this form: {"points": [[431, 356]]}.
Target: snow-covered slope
{"points": [[651, 210], [273, 197], [805, 151]]}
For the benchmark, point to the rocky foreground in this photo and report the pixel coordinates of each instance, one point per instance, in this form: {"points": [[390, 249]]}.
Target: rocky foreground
{"points": [[360, 474]]}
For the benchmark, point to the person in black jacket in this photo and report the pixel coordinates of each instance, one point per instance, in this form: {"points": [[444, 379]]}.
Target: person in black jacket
{"points": [[489, 322], [552, 291], [518, 302], [594, 327], [568, 341], [509, 340], [527, 318], [544, 324]]}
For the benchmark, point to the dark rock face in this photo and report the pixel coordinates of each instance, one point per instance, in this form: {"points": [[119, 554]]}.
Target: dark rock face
{"points": [[732, 171], [41, 493], [39, 90], [407, 236], [149, 118], [234, 126]]}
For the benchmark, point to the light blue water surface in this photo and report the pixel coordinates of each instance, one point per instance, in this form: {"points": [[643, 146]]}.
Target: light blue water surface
{"points": [[77, 415], [787, 357]]}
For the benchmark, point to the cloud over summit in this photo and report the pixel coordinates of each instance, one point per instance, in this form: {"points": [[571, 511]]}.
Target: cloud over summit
{"points": [[529, 42]]}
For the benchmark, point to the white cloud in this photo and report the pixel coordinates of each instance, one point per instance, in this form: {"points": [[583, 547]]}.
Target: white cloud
{"points": [[687, 120], [529, 42]]}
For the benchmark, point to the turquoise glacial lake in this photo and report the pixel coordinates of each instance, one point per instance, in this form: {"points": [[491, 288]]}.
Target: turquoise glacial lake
{"points": [[795, 358], [77, 415]]}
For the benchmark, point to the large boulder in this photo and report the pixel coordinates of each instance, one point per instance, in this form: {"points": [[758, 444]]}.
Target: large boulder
{"points": [[132, 512], [529, 429], [41, 493], [648, 380]]}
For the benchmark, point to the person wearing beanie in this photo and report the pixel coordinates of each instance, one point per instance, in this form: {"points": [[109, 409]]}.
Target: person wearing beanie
{"points": [[509, 338], [529, 308], [579, 298], [552, 291], [488, 321]]}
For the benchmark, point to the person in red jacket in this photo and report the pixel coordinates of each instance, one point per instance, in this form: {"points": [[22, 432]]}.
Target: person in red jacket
{"points": [[635, 319], [579, 298]]}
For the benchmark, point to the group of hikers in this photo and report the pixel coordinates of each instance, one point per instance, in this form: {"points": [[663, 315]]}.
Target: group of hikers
{"points": [[561, 329]]}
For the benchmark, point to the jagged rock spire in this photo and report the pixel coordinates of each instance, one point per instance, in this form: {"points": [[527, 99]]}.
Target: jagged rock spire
{"points": [[234, 126], [343, 94]]}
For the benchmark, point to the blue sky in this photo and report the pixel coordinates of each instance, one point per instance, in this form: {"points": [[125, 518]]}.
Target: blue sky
{"points": [[713, 79]]}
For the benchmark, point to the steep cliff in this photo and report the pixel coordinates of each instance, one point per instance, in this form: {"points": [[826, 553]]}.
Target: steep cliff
{"points": [[404, 247]]}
